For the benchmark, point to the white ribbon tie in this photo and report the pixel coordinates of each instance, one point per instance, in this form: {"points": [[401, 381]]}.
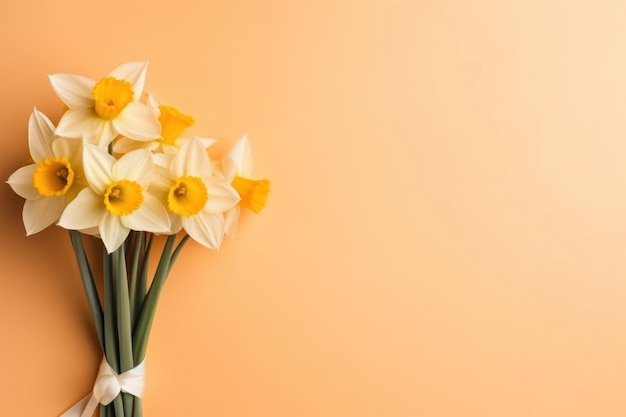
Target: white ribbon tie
{"points": [[108, 385]]}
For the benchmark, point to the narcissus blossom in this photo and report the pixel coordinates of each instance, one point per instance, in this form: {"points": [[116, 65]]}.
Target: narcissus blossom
{"points": [[196, 198], [173, 124], [237, 169], [117, 199], [99, 110], [53, 180]]}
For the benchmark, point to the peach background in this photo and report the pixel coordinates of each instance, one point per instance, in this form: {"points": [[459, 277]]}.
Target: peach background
{"points": [[447, 230]]}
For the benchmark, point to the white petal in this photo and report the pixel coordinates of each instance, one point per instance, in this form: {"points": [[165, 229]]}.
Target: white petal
{"points": [[41, 213], [138, 122], [171, 149], [150, 217], [71, 149], [206, 142], [79, 123], [92, 231], [228, 168], [125, 145], [134, 73], [191, 159], [222, 197], [74, 90], [241, 154], [112, 232], [84, 212], [40, 136], [163, 159], [21, 181], [153, 103], [105, 134], [134, 166], [161, 183], [206, 229], [176, 223], [231, 219], [98, 166]]}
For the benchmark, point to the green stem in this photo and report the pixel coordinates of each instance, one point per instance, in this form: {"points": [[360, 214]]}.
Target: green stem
{"points": [[146, 316], [179, 248], [124, 332], [88, 284], [143, 278], [137, 252], [138, 409], [110, 333], [119, 406]]}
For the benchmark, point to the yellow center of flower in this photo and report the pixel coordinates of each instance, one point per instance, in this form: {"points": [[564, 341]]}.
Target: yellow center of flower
{"points": [[253, 193], [173, 124], [123, 197], [112, 96], [53, 177], [187, 196]]}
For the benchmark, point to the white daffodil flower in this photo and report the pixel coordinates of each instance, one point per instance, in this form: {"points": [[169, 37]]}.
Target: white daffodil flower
{"points": [[237, 170], [53, 180], [173, 124], [196, 198], [100, 110], [117, 199]]}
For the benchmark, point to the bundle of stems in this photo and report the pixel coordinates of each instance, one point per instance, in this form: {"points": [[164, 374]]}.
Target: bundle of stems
{"points": [[124, 310]]}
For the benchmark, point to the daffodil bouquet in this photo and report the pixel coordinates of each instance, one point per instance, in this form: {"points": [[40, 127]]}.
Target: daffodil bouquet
{"points": [[117, 168]]}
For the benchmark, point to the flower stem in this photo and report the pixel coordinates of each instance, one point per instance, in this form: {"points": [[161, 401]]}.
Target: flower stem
{"points": [[143, 278], [89, 284], [124, 332], [146, 316], [137, 252], [179, 248], [110, 334], [138, 409]]}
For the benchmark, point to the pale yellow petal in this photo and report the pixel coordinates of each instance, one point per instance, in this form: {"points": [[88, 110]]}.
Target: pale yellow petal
{"points": [[41, 213], [21, 181], [40, 136], [74, 90]]}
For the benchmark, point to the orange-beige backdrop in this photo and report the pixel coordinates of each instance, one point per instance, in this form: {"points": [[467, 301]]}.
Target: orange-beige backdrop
{"points": [[446, 234]]}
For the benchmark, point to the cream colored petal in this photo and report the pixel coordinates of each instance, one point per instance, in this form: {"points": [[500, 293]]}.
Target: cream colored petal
{"points": [[134, 166], [84, 212], [125, 145], [176, 223], [138, 122], [191, 159], [161, 183], [75, 91], [231, 219], [98, 165], [71, 149], [222, 197], [241, 155], [163, 159], [41, 213], [134, 73], [21, 181], [206, 142], [112, 232], [104, 135], [153, 103], [79, 123], [150, 217], [206, 229], [40, 136]]}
